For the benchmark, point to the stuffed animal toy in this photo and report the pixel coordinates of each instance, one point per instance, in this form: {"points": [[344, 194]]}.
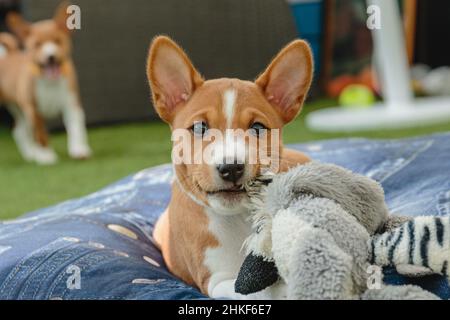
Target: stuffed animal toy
{"points": [[318, 228]]}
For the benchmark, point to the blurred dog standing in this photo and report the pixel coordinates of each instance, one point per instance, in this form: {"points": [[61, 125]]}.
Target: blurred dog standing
{"points": [[39, 83]]}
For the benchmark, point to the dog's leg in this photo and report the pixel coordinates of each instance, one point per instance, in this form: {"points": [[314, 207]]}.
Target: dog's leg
{"points": [[22, 134], [74, 121], [32, 141], [42, 153]]}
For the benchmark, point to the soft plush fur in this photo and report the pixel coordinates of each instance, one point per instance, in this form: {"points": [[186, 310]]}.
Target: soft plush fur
{"points": [[314, 225], [422, 242]]}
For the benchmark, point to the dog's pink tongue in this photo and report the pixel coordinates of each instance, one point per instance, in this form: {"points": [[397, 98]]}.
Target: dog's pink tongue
{"points": [[52, 72]]}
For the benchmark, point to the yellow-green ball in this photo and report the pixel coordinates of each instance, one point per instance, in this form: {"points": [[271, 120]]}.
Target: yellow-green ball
{"points": [[356, 96]]}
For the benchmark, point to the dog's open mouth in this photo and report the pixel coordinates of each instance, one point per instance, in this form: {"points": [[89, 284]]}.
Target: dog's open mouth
{"points": [[233, 190], [51, 69]]}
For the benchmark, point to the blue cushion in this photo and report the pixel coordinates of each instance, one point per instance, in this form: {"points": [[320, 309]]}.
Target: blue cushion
{"points": [[100, 246]]}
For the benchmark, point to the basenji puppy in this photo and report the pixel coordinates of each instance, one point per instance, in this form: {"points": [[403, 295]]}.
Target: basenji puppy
{"points": [[202, 231], [39, 83]]}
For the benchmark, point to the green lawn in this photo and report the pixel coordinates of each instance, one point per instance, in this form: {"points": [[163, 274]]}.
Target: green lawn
{"points": [[119, 151]]}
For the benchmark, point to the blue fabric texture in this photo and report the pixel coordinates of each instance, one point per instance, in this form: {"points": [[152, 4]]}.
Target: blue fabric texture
{"points": [[100, 246]]}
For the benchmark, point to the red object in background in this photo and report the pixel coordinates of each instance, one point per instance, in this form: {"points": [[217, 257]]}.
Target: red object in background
{"points": [[366, 77]]}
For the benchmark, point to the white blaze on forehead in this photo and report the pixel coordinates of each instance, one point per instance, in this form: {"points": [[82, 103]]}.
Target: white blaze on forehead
{"points": [[230, 148], [229, 102], [49, 48]]}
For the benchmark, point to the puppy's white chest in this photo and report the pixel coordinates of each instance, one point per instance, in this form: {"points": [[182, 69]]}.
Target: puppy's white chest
{"points": [[225, 260], [52, 96]]}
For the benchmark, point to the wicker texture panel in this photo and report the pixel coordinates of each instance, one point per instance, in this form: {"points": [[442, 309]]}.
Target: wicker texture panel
{"points": [[232, 38]]}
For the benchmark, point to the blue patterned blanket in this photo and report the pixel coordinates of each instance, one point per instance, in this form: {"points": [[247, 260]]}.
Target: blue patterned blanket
{"points": [[100, 246]]}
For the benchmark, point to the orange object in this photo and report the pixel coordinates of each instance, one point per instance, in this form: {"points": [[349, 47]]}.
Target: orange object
{"points": [[366, 77]]}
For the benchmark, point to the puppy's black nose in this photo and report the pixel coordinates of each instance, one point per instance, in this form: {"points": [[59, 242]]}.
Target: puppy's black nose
{"points": [[231, 172]]}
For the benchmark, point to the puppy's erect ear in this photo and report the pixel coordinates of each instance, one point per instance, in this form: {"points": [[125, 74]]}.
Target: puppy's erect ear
{"points": [[18, 25], [172, 77], [287, 79], [60, 17]]}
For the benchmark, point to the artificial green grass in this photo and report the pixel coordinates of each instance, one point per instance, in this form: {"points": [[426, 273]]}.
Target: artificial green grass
{"points": [[119, 150]]}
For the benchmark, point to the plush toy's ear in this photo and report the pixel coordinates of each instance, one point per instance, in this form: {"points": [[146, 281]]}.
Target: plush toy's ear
{"points": [[287, 79], [255, 275]]}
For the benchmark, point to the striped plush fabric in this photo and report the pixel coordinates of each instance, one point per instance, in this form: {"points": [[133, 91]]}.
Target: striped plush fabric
{"points": [[100, 246]]}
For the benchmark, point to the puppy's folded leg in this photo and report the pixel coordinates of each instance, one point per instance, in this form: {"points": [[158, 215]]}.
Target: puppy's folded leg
{"points": [[74, 121]]}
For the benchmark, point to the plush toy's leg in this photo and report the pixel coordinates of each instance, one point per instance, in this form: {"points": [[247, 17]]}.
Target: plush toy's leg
{"points": [[407, 292], [312, 265], [423, 242], [256, 274]]}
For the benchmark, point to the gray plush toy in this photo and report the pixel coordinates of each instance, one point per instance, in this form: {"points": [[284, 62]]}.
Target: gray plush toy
{"points": [[318, 228]]}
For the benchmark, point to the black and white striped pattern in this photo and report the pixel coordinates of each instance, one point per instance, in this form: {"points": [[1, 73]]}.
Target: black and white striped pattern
{"points": [[423, 241]]}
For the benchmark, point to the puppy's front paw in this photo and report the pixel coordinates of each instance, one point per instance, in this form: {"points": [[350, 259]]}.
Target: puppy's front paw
{"points": [[45, 156], [80, 152]]}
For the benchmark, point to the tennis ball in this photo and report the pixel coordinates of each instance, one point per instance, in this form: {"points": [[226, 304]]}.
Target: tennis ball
{"points": [[356, 96]]}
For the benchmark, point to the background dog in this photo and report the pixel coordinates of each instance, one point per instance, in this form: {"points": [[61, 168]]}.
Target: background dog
{"points": [[40, 82]]}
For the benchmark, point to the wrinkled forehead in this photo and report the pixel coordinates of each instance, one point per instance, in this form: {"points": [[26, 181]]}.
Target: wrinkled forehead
{"points": [[227, 103]]}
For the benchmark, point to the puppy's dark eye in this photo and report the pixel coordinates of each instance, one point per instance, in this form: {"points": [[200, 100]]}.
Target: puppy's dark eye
{"points": [[257, 129], [199, 128]]}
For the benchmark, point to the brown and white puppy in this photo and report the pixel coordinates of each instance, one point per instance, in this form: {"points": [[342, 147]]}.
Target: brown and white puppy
{"points": [[39, 83], [203, 229]]}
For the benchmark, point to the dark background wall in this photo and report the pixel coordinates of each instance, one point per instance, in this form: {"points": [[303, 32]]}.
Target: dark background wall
{"points": [[433, 33], [233, 38]]}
